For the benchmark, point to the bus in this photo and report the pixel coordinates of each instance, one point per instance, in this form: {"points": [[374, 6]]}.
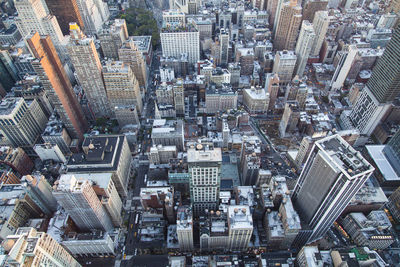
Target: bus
{"points": [[145, 178], [137, 218]]}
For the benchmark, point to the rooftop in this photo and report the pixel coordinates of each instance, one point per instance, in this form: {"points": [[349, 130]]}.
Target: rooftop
{"points": [[240, 217], [343, 156], [203, 153]]}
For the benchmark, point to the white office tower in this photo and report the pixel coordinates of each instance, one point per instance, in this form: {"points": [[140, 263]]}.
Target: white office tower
{"points": [[184, 228], [181, 40], [333, 174], [80, 201], [320, 24], [33, 16], [27, 247], [88, 69], [303, 47], [205, 176], [94, 13], [346, 59], [240, 223], [367, 112]]}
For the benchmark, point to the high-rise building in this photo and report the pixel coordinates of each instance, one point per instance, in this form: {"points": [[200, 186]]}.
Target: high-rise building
{"points": [[381, 89], [224, 47], [40, 191], [205, 176], [346, 59], [168, 133], [66, 11], [112, 37], [179, 98], [130, 55], [22, 122], [333, 174], [256, 99], [394, 204], [250, 161], [80, 201], [29, 247], [121, 85], [104, 153], [57, 85], [320, 24], [272, 87], [184, 228], [303, 47], [94, 13], [392, 152], [288, 24], [284, 64], [290, 118], [126, 115], [86, 61], [240, 223], [34, 16], [385, 80], [177, 41], [311, 7]]}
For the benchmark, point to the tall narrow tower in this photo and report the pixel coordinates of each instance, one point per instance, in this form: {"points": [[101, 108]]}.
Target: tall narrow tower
{"points": [[333, 174], [88, 68], [320, 24], [288, 24], [57, 85], [303, 47]]}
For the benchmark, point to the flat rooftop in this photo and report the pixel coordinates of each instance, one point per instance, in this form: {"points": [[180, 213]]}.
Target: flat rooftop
{"points": [[343, 156], [202, 154], [101, 154], [384, 166]]}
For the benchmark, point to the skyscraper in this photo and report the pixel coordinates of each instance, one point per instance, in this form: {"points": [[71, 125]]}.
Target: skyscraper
{"points": [[22, 122], [240, 223], [184, 228], [346, 59], [303, 47], [311, 7], [121, 85], [392, 152], [205, 176], [111, 38], [224, 47], [38, 249], [65, 11], [40, 191], [130, 55], [94, 13], [320, 24], [333, 174], [88, 69], [80, 201], [34, 16], [284, 64], [57, 85], [288, 24], [179, 98], [382, 88]]}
